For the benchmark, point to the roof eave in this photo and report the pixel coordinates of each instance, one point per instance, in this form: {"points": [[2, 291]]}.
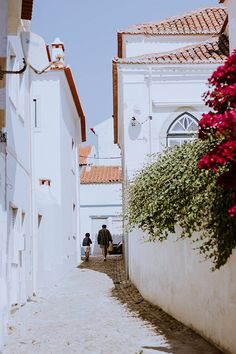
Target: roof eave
{"points": [[76, 99], [115, 99]]}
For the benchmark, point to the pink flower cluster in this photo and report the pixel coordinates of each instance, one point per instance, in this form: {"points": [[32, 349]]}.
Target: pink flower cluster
{"points": [[220, 124], [224, 74], [222, 98], [232, 210], [222, 154]]}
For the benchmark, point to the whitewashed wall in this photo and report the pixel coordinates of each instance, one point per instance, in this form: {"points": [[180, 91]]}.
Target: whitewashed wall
{"points": [[56, 159], [173, 276], [231, 28], [170, 275], [135, 45], [162, 92], [16, 254], [99, 201], [19, 208], [106, 148], [3, 241]]}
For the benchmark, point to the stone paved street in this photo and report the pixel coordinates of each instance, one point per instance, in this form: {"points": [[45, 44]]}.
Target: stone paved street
{"points": [[96, 311]]}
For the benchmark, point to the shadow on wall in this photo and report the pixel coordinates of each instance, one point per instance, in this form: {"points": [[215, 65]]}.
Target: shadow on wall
{"points": [[134, 129]]}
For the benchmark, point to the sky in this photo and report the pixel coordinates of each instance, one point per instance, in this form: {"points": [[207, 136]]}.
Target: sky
{"points": [[88, 30]]}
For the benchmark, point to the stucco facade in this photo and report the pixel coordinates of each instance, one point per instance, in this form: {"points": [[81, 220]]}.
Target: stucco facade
{"points": [[231, 23], [56, 135], [100, 204], [16, 239], [161, 93], [41, 126], [173, 276], [159, 78], [100, 187]]}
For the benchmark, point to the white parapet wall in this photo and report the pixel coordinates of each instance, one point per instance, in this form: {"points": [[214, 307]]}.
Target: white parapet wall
{"points": [[173, 276]]}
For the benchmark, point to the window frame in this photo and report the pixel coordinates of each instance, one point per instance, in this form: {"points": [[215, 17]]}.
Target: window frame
{"points": [[180, 135]]}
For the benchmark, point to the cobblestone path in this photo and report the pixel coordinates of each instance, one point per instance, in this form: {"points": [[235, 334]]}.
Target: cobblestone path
{"points": [[94, 310], [181, 339]]}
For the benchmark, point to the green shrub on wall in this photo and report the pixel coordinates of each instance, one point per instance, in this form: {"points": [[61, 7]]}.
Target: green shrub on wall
{"points": [[173, 191]]}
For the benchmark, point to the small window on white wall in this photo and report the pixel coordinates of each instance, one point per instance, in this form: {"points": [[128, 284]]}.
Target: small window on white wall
{"points": [[182, 130]]}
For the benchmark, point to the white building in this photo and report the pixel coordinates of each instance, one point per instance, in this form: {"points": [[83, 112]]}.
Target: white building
{"points": [[87, 155], [100, 198], [230, 23], [16, 238], [58, 129], [41, 126], [108, 153], [158, 81], [100, 188]]}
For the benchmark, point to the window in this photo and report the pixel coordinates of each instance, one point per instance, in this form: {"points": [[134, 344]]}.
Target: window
{"points": [[39, 219], [45, 182], [13, 215], [182, 130]]}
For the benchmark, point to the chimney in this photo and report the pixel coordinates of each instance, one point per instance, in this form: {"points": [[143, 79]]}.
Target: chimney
{"points": [[58, 52]]}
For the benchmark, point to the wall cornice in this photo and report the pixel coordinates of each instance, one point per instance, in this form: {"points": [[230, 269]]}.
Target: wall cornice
{"points": [[167, 69]]}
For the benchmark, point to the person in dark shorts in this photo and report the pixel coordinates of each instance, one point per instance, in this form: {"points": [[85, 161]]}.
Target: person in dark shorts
{"points": [[86, 244]]}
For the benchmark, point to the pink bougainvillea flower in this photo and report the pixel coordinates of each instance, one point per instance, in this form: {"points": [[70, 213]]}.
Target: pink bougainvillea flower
{"points": [[232, 211], [227, 179], [220, 124]]}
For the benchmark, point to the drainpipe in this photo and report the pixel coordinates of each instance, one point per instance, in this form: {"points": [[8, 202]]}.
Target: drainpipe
{"points": [[77, 221], [34, 244], [150, 110]]}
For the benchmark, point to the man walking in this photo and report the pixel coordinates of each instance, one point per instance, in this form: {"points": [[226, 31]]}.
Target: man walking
{"points": [[104, 237]]}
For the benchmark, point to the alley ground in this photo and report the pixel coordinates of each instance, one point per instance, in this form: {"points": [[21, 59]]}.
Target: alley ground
{"points": [[96, 311]]}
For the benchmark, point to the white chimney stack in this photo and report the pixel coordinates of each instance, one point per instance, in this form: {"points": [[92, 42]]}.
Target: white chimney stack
{"points": [[58, 52]]}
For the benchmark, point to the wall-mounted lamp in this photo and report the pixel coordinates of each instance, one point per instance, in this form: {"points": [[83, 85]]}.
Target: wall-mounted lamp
{"points": [[134, 122]]}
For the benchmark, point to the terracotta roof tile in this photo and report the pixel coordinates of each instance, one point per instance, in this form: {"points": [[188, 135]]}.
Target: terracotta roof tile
{"points": [[26, 9], [84, 152], [213, 51], [203, 21], [101, 174]]}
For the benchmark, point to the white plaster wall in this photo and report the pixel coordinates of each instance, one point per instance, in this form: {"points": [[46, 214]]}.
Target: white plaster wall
{"points": [[135, 45], [170, 274], [163, 97], [16, 276], [56, 159], [173, 276], [99, 201], [231, 6], [19, 257], [100, 193], [105, 144], [3, 240]]}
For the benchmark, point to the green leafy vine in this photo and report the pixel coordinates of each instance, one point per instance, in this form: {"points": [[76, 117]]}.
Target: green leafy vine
{"points": [[173, 191]]}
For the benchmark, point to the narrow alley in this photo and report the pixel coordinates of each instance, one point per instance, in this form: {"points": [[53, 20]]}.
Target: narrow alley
{"points": [[96, 311]]}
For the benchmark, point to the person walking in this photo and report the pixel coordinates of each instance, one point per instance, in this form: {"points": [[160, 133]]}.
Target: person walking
{"points": [[86, 244], [104, 237]]}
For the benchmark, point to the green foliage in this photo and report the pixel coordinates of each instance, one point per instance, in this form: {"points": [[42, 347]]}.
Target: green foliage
{"points": [[173, 191]]}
